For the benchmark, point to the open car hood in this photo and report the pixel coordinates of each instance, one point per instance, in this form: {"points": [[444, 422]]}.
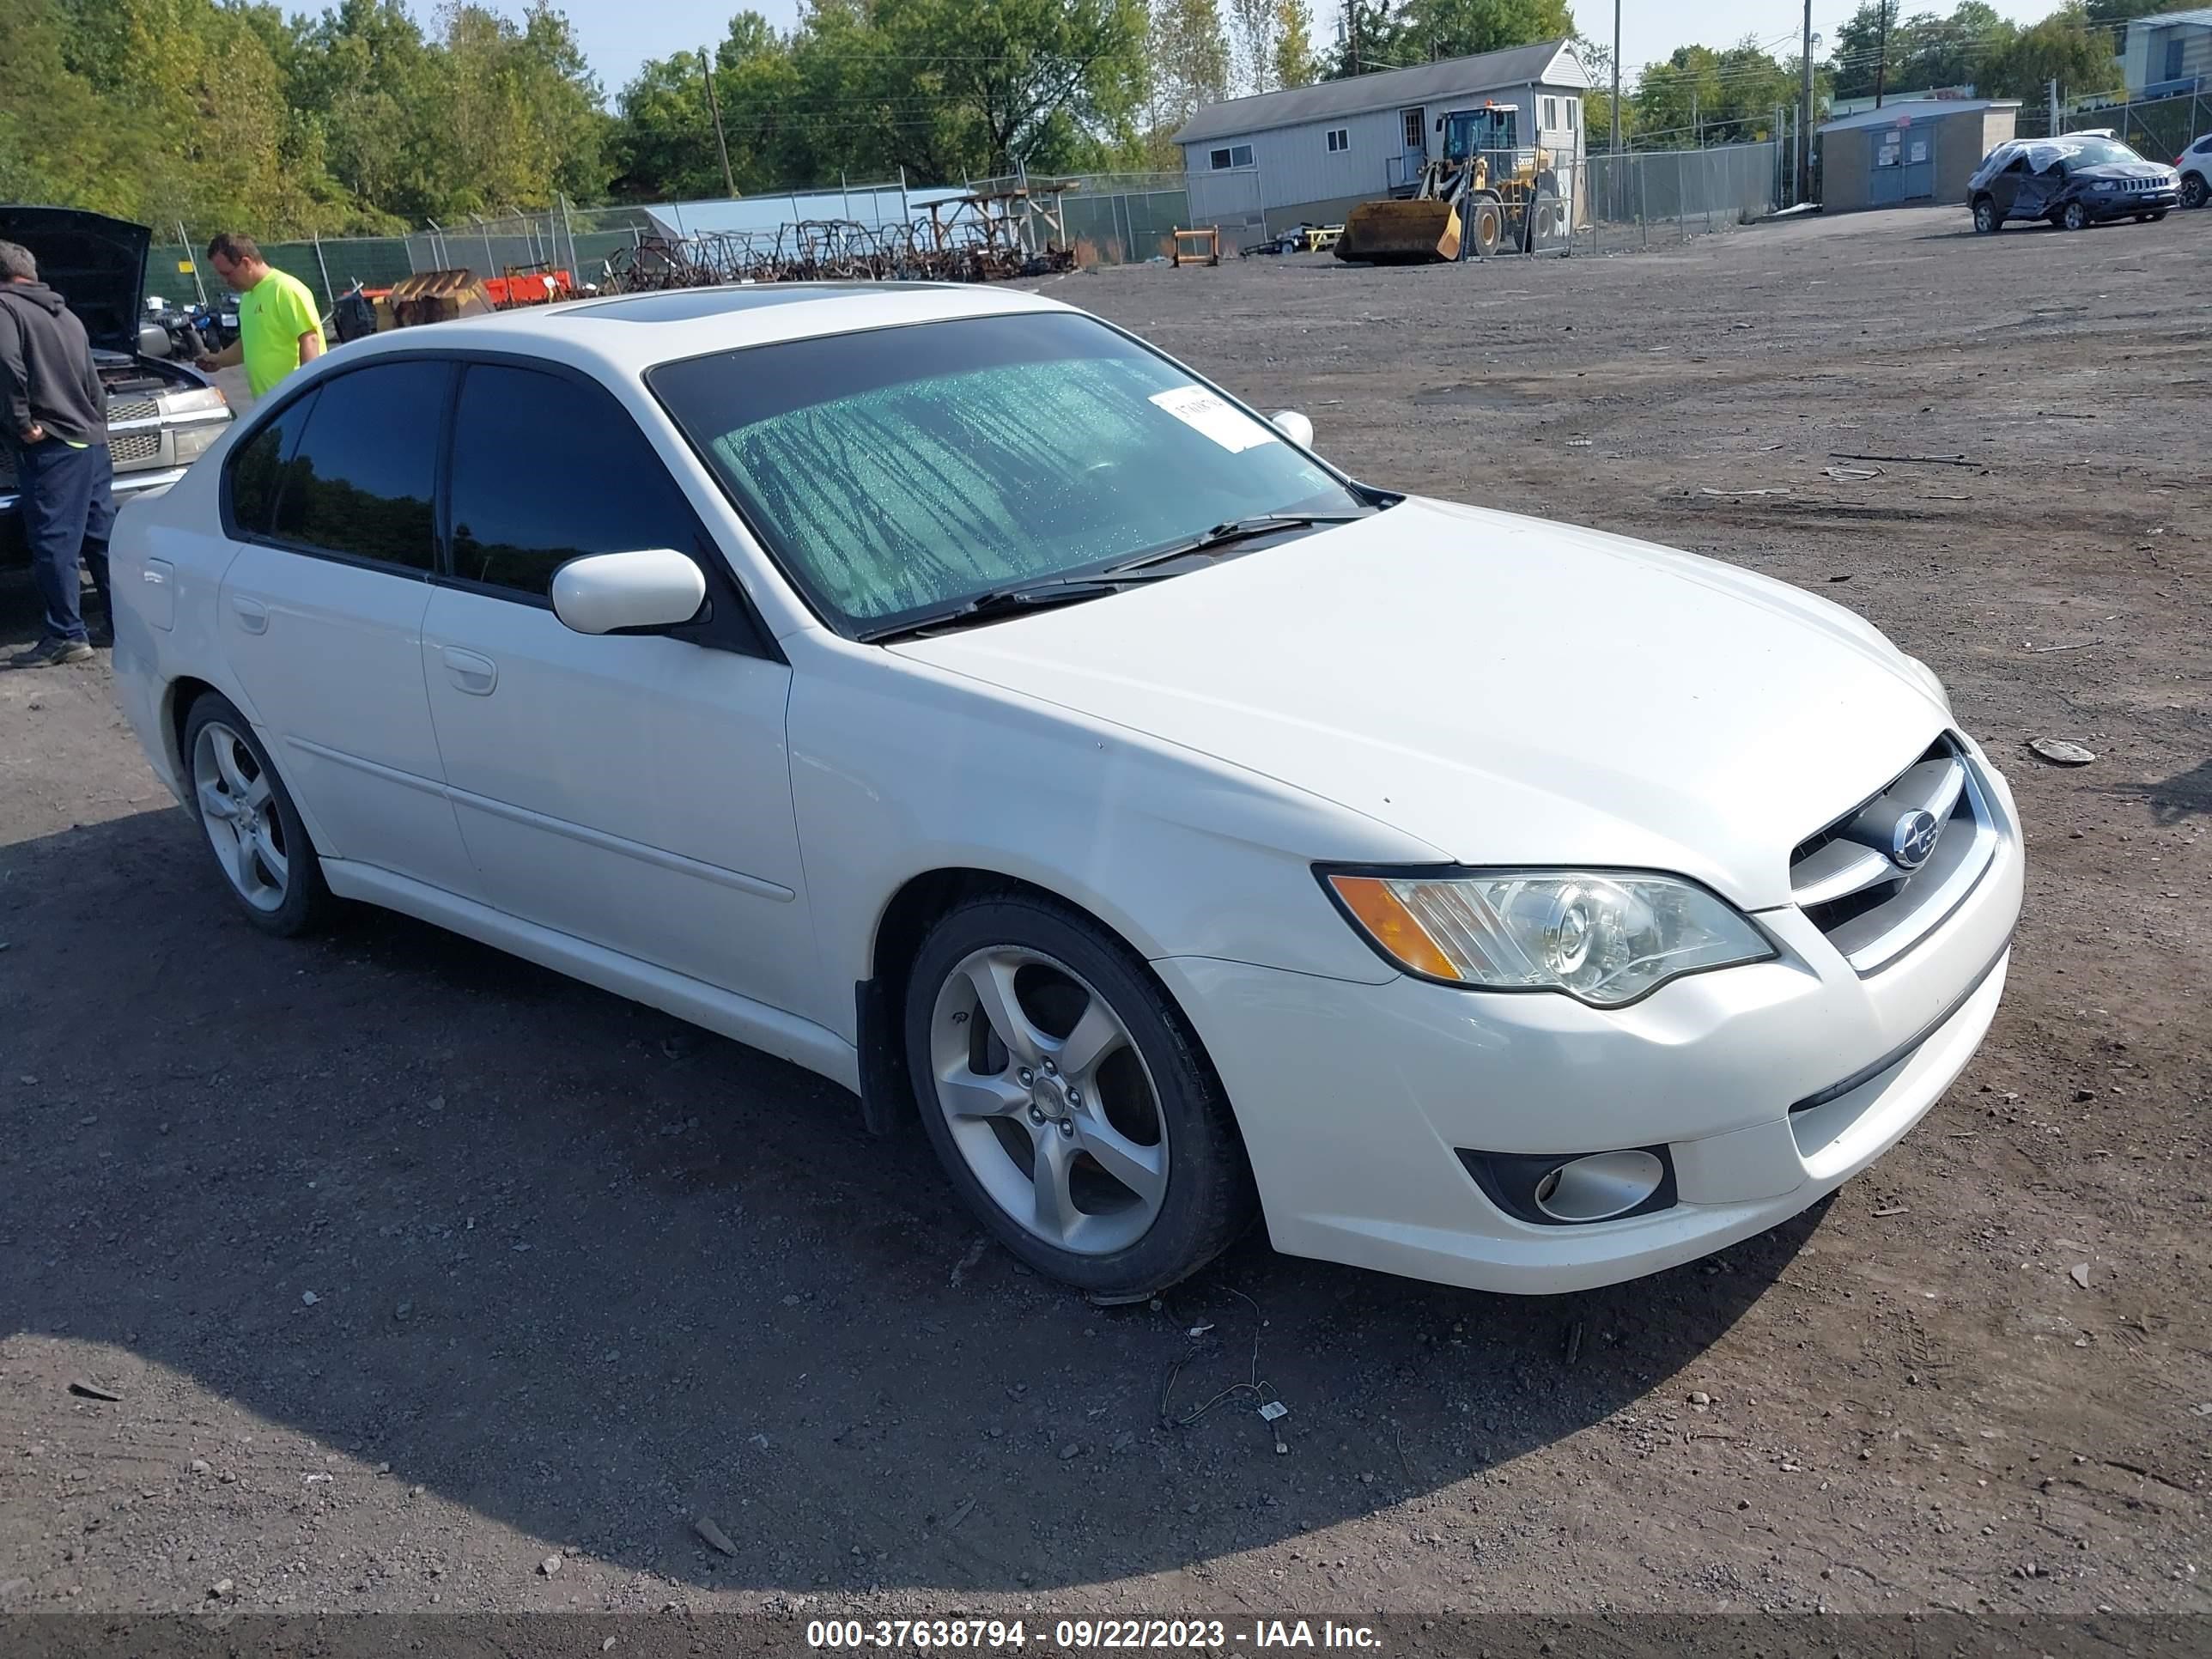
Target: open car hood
{"points": [[97, 265]]}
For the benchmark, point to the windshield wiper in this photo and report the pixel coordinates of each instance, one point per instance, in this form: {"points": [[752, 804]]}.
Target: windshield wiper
{"points": [[1237, 529], [1007, 601]]}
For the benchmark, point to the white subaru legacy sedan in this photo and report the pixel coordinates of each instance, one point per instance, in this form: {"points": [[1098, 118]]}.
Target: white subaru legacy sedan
{"points": [[942, 689]]}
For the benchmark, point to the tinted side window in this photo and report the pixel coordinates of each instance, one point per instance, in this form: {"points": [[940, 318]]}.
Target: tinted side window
{"points": [[257, 469], [547, 469], [365, 474]]}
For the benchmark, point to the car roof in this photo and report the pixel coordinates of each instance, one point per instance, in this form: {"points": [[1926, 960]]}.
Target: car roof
{"points": [[631, 332]]}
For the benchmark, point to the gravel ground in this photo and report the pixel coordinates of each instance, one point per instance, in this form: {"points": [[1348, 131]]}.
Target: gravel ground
{"points": [[424, 1279]]}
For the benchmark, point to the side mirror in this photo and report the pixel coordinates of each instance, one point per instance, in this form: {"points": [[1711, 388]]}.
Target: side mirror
{"points": [[153, 340], [608, 591], [1293, 426]]}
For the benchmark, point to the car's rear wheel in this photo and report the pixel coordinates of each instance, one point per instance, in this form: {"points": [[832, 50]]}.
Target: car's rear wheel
{"points": [[2075, 217], [1068, 1101], [259, 844], [1987, 219], [2193, 192]]}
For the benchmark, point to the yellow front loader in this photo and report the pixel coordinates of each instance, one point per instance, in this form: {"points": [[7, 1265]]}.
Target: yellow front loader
{"points": [[1484, 190]]}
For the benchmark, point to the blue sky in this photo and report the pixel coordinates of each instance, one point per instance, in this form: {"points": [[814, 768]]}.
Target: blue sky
{"points": [[620, 35]]}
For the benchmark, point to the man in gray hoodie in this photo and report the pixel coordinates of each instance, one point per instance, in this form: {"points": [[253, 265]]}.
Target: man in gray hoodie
{"points": [[53, 414]]}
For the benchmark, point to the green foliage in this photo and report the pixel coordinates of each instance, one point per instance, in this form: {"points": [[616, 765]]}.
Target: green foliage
{"points": [[225, 114], [1975, 46], [945, 89], [1395, 33]]}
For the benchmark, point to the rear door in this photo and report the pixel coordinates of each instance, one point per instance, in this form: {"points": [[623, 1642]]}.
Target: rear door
{"points": [[321, 612], [632, 791], [2004, 189]]}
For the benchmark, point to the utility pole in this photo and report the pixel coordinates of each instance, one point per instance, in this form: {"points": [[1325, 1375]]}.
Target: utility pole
{"points": [[1696, 124], [1881, 54], [1805, 115], [2053, 132], [707, 73], [1616, 75]]}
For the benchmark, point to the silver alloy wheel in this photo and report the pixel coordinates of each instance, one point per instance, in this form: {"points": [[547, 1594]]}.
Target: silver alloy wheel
{"points": [[239, 811], [1048, 1100]]}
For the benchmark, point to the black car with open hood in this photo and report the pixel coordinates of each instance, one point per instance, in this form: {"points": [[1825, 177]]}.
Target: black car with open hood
{"points": [[161, 415]]}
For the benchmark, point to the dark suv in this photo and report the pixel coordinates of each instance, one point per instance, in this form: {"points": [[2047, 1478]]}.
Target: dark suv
{"points": [[161, 415], [2074, 180]]}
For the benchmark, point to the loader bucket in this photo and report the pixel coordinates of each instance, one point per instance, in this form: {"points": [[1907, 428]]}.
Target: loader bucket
{"points": [[1417, 231]]}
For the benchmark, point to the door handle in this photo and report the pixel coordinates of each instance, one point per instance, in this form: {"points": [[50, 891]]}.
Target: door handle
{"points": [[474, 675], [253, 615]]}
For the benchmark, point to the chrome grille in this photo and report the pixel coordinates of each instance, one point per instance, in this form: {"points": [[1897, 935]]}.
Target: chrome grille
{"points": [[133, 449], [1860, 886], [133, 409]]}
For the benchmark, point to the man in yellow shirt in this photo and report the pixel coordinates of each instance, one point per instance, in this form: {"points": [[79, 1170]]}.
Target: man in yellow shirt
{"points": [[279, 327]]}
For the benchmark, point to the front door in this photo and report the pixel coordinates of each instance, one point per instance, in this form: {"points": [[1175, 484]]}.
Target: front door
{"points": [[1919, 165], [632, 791], [1413, 145], [1887, 187], [2005, 188], [321, 613]]}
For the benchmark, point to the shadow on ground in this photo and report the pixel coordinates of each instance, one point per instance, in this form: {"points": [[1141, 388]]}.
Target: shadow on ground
{"points": [[589, 1270]]}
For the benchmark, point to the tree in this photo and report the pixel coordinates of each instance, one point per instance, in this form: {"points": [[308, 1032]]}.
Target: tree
{"points": [[1189, 59], [1012, 82], [1370, 41], [1462, 28], [1703, 96], [2065, 47], [1294, 61], [1252, 30]]}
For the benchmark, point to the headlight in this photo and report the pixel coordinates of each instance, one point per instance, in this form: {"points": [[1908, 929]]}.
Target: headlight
{"points": [[194, 441], [2104, 184], [200, 400], [1605, 937]]}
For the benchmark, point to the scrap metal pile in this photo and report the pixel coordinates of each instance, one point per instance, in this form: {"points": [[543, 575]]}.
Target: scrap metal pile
{"points": [[989, 235]]}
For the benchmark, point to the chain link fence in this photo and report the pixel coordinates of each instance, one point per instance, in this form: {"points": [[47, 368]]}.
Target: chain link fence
{"points": [[1642, 198], [2160, 128]]}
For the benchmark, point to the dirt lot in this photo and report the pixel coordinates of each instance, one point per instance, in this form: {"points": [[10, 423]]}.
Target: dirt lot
{"points": [[415, 1266]]}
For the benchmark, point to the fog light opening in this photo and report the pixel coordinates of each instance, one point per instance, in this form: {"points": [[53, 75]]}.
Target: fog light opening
{"points": [[1599, 1187]]}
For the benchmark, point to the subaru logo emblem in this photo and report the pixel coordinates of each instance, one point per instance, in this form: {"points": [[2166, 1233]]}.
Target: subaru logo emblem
{"points": [[1913, 840]]}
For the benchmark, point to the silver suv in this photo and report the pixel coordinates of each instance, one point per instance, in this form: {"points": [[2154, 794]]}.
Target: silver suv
{"points": [[161, 415]]}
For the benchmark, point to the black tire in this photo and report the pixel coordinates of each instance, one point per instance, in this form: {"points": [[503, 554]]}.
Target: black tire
{"points": [[1209, 1197], [1987, 221], [2155, 217], [1482, 223], [307, 902], [2194, 191]]}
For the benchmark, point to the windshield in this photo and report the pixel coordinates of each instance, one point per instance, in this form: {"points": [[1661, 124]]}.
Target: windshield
{"points": [[898, 473], [2097, 152]]}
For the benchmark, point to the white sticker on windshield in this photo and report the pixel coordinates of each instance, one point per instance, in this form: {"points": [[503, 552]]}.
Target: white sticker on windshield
{"points": [[1200, 411]]}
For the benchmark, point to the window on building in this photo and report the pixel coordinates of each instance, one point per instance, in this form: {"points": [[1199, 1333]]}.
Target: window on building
{"points": [[1340, 138], [1416, 131], [1572, 103], [1236, 155], [2174, 55], [1551, 115]]}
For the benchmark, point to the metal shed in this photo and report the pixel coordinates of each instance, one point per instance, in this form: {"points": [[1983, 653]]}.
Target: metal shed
{"points": [[1261, 164], [1915, 152]]}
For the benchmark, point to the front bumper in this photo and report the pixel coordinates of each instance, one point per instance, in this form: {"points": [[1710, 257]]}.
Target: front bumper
{"points": [[2127, 205], [1355, 1100], [125, 487]]}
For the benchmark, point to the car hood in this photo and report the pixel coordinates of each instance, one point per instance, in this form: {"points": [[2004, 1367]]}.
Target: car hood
{"points": [[97, 265], [2121, 172], [1505, 689]]}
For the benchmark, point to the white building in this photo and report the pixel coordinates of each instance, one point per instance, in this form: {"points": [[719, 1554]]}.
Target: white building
{"points": [[1261, 164], [2168, 54]]}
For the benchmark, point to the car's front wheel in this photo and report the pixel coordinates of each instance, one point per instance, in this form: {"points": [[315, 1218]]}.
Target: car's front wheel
{"points": [[260, 845], [2075, 217], [1068, 1100], [2155, 217], [2194, 191], [1987, 219]]}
